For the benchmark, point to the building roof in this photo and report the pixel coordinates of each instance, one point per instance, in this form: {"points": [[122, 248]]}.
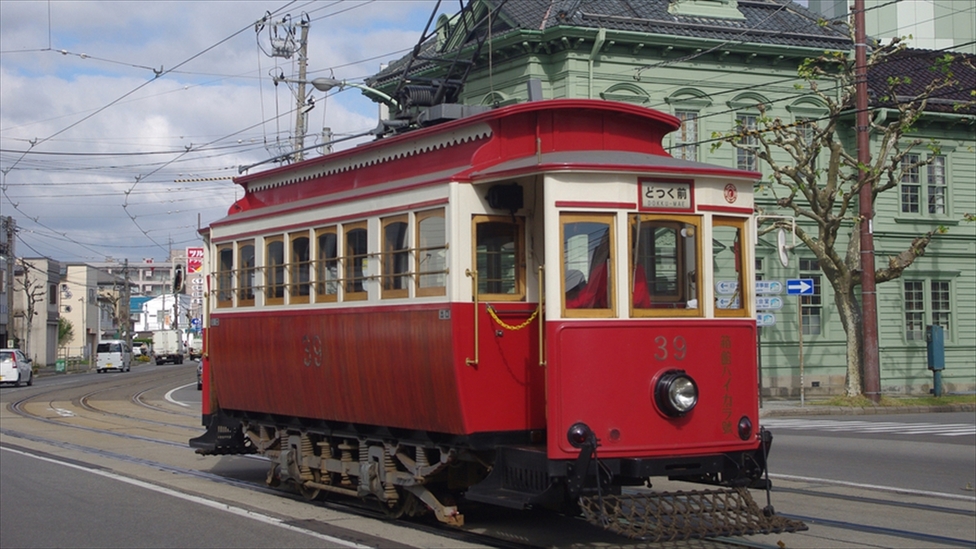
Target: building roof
{"points": [[779, 22], [916, 69], [763, 23]]}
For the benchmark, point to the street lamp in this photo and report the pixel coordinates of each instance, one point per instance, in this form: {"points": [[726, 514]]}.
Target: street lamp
{"points": [[324, 84]]}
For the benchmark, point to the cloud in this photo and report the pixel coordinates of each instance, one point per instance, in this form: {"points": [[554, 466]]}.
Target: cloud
{"points": [[103, 157]]}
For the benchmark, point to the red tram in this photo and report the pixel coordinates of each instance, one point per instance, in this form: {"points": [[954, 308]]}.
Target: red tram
{"points": [[532, 306]]}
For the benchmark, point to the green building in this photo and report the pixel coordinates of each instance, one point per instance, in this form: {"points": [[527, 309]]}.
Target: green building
{"points": [[712, 64]]}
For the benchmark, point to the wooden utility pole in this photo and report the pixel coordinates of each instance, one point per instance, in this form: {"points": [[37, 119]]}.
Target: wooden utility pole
{"points": [[869, 297]]}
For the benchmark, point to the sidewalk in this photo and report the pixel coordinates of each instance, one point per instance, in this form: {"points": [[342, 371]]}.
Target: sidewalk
{"points": [[790, 408]]}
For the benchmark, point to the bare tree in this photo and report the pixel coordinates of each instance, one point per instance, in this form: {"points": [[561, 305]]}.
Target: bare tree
{"points": [[813, 174], [35, 292]]}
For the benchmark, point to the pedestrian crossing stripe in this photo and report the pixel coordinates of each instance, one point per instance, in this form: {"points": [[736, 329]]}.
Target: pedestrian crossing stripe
{"points": [[937, 429]]}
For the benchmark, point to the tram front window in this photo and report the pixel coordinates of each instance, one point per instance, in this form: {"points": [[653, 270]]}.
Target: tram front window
{"points": [[664, 264], [587, 264], [499, 260]]}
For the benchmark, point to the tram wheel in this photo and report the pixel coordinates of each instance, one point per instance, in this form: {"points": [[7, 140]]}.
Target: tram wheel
{"points": [[313, 494]]}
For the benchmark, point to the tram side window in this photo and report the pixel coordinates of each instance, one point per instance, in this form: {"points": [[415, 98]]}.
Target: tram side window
{"points": [[587, 251], [395, 259], [225, 270], [327, 264], [431, 253], [355, 261], [245, 273], [728, 240], [499, 257], [299, 269], [664, 265], [274, 270]]}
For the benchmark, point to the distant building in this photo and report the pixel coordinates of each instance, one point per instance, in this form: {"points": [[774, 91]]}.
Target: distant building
{"points": [[35, 311]]}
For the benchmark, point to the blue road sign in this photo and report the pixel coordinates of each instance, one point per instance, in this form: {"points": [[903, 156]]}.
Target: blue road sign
{"points": [[799, 286]]}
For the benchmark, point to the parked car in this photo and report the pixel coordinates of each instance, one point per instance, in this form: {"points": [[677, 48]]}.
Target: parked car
{"points": [[113, 354], [15, 367]]}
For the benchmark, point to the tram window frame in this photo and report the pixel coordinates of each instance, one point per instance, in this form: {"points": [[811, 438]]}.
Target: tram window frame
{"points": [[395, 257], [322, 263], [274, 273], [669, 306], [245, 273], [299, 268], [609, 286], [353, 283], [431, 250], [225, 275], [518, 254], [743, 276]]}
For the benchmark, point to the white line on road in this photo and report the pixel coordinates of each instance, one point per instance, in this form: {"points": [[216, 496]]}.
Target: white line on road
{"points": [[169, 395], [241, 512], [874, 487]]}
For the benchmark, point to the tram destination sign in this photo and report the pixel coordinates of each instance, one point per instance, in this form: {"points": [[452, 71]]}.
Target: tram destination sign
{"points": [[665, 195]]}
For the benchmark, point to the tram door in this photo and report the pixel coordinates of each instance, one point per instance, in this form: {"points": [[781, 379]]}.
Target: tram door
{"points": [[508, 314]]}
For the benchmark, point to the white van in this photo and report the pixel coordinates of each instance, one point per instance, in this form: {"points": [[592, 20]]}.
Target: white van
{"points": [[113, 354]]}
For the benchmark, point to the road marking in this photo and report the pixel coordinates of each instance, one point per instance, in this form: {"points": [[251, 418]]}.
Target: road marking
{"points": [[63, 413], [873, 487], [239, 511], [898, 428], [169, 395]]}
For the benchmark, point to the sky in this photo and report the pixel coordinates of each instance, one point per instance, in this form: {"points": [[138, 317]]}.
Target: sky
{"points": [[122, 123]]}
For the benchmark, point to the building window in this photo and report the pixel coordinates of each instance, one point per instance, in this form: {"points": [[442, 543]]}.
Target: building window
{"points": [[937, 185], [686, 138], [911, 188], [941, 304], [811, 305], [914, 310], [499, 257], [431, 253], [746, 157], [808, 131], [395, 259], [919, 313], [588, 259]]}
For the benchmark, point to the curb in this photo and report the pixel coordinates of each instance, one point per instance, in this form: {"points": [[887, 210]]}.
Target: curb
{"points": [[794, 410]]}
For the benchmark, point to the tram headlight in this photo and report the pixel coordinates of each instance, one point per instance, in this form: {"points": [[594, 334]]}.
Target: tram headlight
{"points": [[676, 393]]}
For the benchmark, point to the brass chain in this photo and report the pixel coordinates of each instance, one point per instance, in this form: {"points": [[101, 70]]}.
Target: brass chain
{"points": [[491, 311]]}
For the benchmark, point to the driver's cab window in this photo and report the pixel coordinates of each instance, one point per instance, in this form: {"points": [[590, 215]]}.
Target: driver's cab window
{"points": [[587, 265], [664, 260], [500, 257]]}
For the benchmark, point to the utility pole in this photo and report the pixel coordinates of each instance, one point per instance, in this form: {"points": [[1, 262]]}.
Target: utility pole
{"points": [[301, 111], [126, 315], [10, 231], [869, 297]]}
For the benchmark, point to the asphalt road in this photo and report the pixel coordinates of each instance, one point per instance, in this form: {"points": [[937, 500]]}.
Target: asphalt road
{"points": [[922, 452]]}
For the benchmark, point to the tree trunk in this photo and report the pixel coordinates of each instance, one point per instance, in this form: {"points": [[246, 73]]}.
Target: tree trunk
{"points": [[850, 316]]}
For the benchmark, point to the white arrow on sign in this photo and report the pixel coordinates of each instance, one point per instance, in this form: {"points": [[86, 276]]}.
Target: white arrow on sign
{"points": [[799, 286]]}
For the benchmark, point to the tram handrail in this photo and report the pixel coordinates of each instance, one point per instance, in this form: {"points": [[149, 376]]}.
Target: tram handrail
{"points": [[474, 288], [542, 316]]}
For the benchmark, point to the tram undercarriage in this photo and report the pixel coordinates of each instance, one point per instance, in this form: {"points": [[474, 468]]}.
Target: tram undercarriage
{"points": [[409, 478]]}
